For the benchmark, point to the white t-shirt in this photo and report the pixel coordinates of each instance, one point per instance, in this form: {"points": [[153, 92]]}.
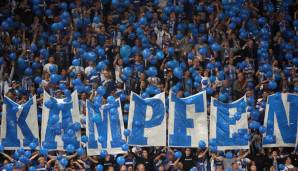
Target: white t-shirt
{"points": [[88, 70], [46, 67]]}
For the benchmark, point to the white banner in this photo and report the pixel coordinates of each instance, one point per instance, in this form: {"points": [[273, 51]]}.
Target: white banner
{"points": [[281, 117], [60, 122], [147, 120], [228, 124], [104, 128], [188, 124], [19, 125]]}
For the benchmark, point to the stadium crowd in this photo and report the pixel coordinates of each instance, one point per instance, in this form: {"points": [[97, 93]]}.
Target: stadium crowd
{"points": [[229, 48]]}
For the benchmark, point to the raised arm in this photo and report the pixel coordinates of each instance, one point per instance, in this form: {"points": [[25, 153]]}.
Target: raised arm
{"points": [[35, 154], [12, 71], [93, 160], [204, 153], [49, 163], [8, 157], [71, 156]]}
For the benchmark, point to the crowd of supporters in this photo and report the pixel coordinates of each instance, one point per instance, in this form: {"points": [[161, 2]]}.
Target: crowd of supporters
{"points": [[229, 48]]}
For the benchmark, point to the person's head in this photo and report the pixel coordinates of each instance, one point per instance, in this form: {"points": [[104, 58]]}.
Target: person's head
{"points": [[41, 161], [161, 168], [250, 43], [145, 154], [110, 168], [130, 168], [51, 59], [5, 161], [235, 166], [188, 152], [253, 168], [172, 16], [10, 94], [288, 161], [123, 168], [140, 167], [83, 96], [106, 73], [240, 76], [274, 153]]}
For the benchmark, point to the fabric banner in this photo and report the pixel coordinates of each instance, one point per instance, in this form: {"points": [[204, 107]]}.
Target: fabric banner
{"points": [[147, 121], [188, 124], [228, 124], [281, 120], [104, 128], [60, 122], [19, 126]]}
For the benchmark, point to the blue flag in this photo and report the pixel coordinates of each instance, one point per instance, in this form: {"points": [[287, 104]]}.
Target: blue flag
{"points": [[147, 120], [19, 126], [188, 123], [228, 124]]}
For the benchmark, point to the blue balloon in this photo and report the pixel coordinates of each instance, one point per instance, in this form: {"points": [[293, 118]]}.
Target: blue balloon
{"points": [[262, 129], [101, 90], [126, 107], [1, 148], [84, 139], [110, 99], [202, 144], [152, 71], [127, 71], [229, 155], [80, 151], [43, 151], [99, 167], [213, 149], [215, 47], [54, 78], [103, 153], [27, 154], [237, 116], [53, 69], [178, 72], [32, 168], [21, 63], [12, 56], [76, 62], [281, 166], [232, 26], [101, 52], [1, 60], [32, 145], [33, 47], [171, 51], [178, 154], [28, 71], [120, 160], [272, 85], [64, 162], [146, 53], [203, 51], [44, 53], [268, 139], [16, 40], [126, 132], [124, 147], [160, 55], [125, 51], [70, 148], [223, 97]]}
